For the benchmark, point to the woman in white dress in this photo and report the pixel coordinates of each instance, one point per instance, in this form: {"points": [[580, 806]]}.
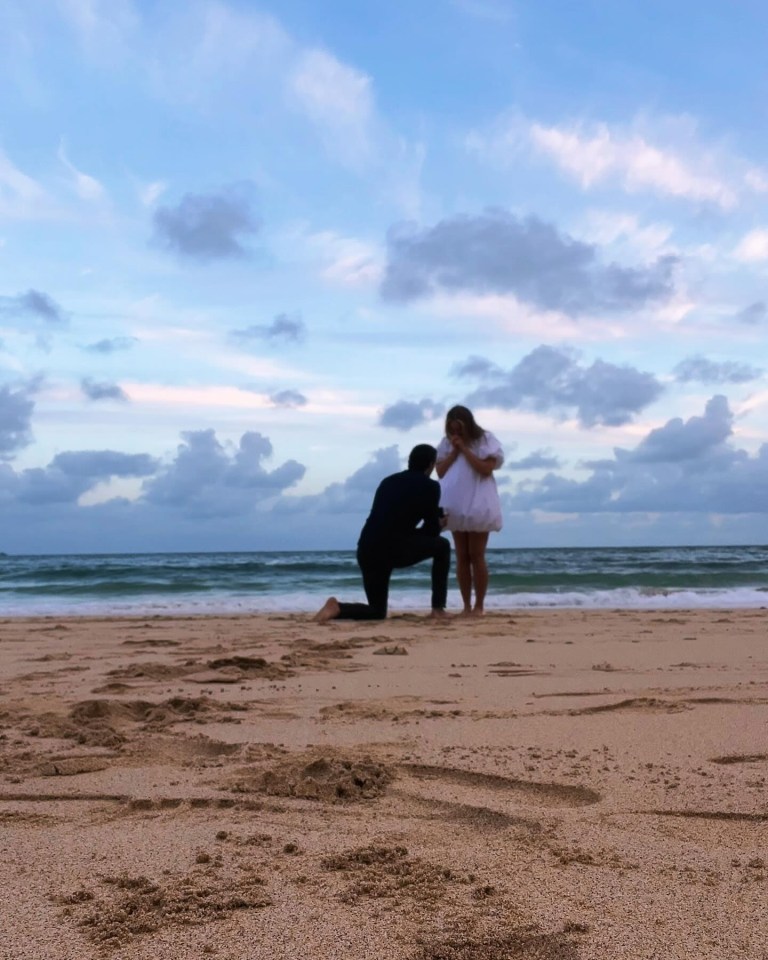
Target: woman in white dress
{"points": [[466, 458]]}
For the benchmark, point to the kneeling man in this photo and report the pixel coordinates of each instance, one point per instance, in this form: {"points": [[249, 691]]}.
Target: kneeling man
{"points": [[392, 538]]}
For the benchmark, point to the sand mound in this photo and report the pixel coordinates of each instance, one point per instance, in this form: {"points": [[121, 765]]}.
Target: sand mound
{"points": [[518, 945], [130, 907], [331, 778], [389, 872]]}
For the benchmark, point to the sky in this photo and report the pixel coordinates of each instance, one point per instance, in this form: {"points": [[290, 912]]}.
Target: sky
{"points": [[251, 252]]}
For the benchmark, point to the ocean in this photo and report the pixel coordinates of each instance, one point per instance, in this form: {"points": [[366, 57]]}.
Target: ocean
{"points": [[203, 583]]}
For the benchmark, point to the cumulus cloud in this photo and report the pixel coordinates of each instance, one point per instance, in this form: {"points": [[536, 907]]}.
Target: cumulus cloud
{"points": [[208, 226], [536, 460], [288, 399], [687, 439], [551, 380], [497, 253], [111, 344], [31, 306], [701, 370], [15, 416], [755, 313], [475, 367], [351, 496], [72, 473], [206, 479], [405, 414], [94, 390], [685, 466], [284, 326], [100, 464]]}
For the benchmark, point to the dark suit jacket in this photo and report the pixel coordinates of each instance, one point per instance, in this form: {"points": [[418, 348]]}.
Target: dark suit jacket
{"points": [[402, 501]]}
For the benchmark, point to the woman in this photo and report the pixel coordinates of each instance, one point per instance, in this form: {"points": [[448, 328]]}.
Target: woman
{"points": [[466, 458]]}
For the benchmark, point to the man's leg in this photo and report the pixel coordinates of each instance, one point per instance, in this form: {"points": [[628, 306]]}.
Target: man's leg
{"points": [[420, 547], [376, 571]]}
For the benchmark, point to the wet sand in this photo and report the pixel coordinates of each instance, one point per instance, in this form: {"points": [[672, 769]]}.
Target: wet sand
{"points": [[555, 784]]}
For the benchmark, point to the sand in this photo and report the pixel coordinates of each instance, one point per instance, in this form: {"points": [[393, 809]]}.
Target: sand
{"points": [[561, 785]]}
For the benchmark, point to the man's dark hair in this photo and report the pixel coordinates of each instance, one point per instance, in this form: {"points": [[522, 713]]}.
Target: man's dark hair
{"points": [[421, 457]]}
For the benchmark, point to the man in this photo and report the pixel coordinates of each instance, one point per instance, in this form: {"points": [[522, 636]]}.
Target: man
{"points": [[392, 538]]}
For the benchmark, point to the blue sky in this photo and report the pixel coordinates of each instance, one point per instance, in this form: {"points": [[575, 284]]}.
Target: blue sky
{"points": [[250, 252]]}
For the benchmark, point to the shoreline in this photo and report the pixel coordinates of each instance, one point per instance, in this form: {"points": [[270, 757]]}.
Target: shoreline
{"points": [[548, 784]]}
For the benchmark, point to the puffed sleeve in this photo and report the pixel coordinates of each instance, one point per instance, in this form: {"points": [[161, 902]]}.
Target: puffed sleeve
{"points": [[443, 448], [490, 447]]}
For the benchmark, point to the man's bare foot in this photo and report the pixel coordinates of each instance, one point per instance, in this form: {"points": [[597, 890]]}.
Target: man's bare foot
{"points": [[439, 614], [329, 611]]}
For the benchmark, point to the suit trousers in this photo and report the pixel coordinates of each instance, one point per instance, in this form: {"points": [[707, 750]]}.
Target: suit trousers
{"points": [[377, 561]]}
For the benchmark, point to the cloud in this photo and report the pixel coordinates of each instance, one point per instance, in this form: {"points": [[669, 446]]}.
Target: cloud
{"points": [[205, 479], [100, 464], [754, 313], [753, 246], [551, 380], [86, 187], [405, 414], [21, 197], [686, 439], [709, 371], [208, 226], [497, 253], [71, 474], [283, 327], [603, 154], [33, 305], [683, 467], [103, 391], [111, 345], [288, 399], [352, 496], [475, 367], [536, 460], [15, 416], [337, 98]]}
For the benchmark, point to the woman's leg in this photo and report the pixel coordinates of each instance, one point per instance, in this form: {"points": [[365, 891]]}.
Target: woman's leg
{"points": [[476, 544], [463, 568]]}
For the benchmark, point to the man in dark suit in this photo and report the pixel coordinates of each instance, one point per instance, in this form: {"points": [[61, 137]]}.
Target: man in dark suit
{"points": [[392, 538]]}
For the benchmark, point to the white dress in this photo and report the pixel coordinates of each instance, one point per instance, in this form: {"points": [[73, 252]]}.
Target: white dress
{"points": [[471, 500]]}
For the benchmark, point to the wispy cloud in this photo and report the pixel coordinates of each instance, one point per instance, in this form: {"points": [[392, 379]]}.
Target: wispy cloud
{"points": [[85, 186]]}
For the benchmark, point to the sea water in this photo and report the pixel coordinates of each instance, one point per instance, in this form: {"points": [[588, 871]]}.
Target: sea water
{"points": [[298, 581]]}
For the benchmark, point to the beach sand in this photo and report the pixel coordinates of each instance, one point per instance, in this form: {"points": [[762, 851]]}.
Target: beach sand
{"points": [[555, 784]]}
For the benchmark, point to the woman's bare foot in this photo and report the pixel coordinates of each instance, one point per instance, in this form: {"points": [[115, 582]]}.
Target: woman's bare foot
{"points": [[478, 612], [329, 611], [466, 612]]}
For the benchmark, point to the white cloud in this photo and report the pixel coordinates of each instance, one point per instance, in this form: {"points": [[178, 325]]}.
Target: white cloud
{"points": [[85, 186], [21, 197], [337, 98], [150, 193], [605, 154], [102, 26], [624, 230], [756, 180], [753, 247], [342, 261]]}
